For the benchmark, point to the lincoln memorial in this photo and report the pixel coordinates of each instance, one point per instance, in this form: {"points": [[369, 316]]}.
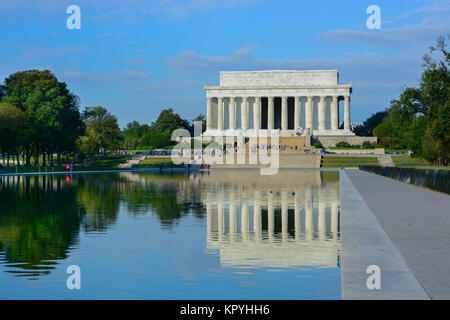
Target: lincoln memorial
{"points": [[250, 103]]}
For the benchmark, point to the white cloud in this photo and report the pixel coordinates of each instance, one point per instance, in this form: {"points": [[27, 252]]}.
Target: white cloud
{"points": [[368, 65], [169, 86], [120, 75], [436, 6], [109, 11], [406, 36], [190, 62]]}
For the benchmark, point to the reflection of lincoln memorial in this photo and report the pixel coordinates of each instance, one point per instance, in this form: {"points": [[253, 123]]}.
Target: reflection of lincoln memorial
{"points": [[260, 222]]}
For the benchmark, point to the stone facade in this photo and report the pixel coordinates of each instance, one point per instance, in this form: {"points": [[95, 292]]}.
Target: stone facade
{"points": [[254, 103]]}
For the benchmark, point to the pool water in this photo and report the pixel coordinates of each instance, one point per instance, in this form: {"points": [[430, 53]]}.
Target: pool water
{"points": [[227, 234]]}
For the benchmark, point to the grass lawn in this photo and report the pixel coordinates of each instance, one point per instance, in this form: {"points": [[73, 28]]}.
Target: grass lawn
{"points": [[95, 165], [336, 162], [156, 162], [102, 164], [404, 162]]}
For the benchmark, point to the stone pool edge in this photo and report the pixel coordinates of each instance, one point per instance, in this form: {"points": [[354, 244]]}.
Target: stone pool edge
{"points": [[365, 243], [142, 170]]}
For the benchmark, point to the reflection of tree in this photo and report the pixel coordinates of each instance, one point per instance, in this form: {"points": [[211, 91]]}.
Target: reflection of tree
{"points": [[99, 198], [329, 176], [169, 196], [39, 223], [40, 217]]}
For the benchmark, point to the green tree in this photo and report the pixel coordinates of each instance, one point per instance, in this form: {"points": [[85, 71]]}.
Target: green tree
{"points": [[52, 119], [382, 131], [435, 89], [168, 121], [11, 126], [366, 129], [87, 145], [158, 135], [155, 140], [403, 119], [420, 118], [102, 129], [414, 136], [133, 133]]}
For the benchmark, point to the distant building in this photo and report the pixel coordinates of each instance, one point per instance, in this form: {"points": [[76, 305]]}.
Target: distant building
{"points": [[255, 103], [247, 102]]}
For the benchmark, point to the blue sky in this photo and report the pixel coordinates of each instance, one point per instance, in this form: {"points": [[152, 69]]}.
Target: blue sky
{"points": [[136, 57]]}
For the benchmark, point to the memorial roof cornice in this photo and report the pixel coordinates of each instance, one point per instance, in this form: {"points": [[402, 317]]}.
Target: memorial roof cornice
{"points": [[343, 86]]}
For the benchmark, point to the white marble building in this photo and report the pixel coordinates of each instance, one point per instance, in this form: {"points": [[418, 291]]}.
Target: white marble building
{"points": [[251, 103]]}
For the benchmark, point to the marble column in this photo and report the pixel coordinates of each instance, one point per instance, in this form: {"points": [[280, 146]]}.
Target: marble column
{"points": [[270, 113], [208, 114], [322, 110], [334, 113], [232, 113], [244, 113], [347, 113], [220, 114], [297, 113], [257, 113], [284, 113], [309, 113]]}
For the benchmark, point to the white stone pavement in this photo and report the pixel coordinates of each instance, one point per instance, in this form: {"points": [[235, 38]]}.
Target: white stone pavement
{"points": [[365, 243], [417, 220]]}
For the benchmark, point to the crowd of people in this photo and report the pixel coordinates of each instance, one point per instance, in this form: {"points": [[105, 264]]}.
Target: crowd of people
{"points": [[146, 152]]}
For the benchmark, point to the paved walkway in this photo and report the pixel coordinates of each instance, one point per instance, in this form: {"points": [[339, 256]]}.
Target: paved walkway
{"points": [[364, 245], [135, 160], [385, 160], [417, 221]]}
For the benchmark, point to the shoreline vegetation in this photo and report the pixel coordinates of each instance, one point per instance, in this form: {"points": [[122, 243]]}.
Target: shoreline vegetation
{"points": [[113, 164], [109, 164]]}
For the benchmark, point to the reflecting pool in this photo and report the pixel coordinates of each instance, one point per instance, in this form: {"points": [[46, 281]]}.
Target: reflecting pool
{"points": [[227, 234]]}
